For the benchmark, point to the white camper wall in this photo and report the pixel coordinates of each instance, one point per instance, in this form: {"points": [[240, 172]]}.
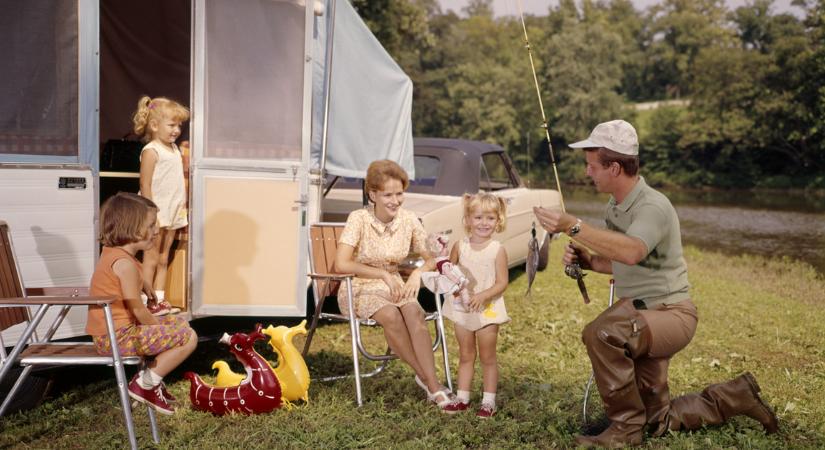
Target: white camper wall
{"points": [[52, 231]]}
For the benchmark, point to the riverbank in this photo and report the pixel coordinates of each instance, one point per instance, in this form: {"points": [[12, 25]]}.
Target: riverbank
{"points": [[758, 314]]}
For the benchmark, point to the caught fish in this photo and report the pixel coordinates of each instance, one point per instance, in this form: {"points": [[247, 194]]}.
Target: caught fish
{"points": [[532, 264], [575, 271]]}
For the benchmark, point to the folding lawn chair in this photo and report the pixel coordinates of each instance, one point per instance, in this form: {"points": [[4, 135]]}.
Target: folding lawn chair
{"points": [[16, 305], [323, 240]]}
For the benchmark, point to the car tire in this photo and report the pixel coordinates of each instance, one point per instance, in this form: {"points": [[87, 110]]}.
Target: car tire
{"points": [[544, 253], [31, 393]]}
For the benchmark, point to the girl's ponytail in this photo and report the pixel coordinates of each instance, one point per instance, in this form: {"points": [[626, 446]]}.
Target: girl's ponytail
{"points": [[141, 118]]}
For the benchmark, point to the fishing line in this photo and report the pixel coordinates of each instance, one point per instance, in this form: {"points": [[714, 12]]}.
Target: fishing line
{"points": [[573, 270]]}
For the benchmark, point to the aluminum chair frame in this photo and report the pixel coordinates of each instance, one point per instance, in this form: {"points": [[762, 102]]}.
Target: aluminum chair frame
{"points": [[592, 375], [355, 323]]}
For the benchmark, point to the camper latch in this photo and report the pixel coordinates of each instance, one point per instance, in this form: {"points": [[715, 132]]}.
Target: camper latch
{"points": [[303, 200]]}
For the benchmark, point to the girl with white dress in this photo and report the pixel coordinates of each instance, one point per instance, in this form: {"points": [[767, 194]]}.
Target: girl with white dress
{"points": [[484, 261], [158, 122]]}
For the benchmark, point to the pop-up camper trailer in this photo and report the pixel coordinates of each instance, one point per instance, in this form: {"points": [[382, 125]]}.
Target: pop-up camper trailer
{"points": [[254, 73]]}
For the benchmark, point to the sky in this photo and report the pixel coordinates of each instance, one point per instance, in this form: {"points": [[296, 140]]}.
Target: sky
{"points": [[540, 7]]}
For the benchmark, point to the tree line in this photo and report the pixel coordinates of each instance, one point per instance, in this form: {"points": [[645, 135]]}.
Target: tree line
{"points": [[749, 83]]}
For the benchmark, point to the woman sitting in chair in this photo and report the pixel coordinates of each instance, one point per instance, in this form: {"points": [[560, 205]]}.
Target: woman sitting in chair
{"points": [[375, 240]]}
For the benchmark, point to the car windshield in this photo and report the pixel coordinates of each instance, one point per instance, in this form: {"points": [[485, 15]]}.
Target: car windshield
{"points": [[427, 170], [494, 174]]}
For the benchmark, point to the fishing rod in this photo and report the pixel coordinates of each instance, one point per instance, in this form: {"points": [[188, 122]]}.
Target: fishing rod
{"points": [[573, 270], [541, 105]]}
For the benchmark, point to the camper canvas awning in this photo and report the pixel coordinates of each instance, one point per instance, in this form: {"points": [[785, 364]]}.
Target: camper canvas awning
{"points": [[370, 102]]}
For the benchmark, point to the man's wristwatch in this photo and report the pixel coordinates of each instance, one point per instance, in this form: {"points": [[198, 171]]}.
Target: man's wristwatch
{"points": [[574, 230]]}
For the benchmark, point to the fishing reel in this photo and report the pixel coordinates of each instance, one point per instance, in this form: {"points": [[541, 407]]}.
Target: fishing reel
{"points": [[574, 271]]}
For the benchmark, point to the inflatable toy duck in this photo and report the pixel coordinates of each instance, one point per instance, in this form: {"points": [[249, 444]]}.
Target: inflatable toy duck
{"points": [[292, 371], [259, 392]]}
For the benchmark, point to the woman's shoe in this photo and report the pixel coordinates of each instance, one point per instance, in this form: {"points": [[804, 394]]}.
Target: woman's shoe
{"points": [[421, 384], [441, 397], [456, 406]]}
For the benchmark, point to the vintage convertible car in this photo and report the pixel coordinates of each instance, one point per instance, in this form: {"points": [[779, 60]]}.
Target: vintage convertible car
{"points": [[445, 169]]}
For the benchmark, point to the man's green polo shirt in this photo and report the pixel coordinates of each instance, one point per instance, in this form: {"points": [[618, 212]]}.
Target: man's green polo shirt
{"points": [[661, 277]]}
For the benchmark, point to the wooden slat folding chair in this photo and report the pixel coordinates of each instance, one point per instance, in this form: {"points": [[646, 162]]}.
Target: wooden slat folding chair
{"points": [[16, 304], [323, 244]]}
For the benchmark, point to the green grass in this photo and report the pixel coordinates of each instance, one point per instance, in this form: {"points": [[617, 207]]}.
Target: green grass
{"points": [[761, 315]]}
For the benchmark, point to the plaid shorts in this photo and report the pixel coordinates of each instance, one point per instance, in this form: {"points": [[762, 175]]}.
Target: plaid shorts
{"points": [[147, 340]]}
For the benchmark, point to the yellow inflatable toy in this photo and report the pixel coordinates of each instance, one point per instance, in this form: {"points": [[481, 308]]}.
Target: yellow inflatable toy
{"points": [[292, 371], [226, 377]]}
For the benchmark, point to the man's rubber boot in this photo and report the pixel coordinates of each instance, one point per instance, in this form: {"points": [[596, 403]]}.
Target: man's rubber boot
{"points": [[719, 402], [651, 378]]}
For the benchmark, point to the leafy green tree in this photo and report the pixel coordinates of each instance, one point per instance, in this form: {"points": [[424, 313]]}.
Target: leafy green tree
{"points": [[583, 61], [750, 117], [401, 26], [755, 81], [473, 87], [482, 8], [678, 31], [662, 159], [810, 94]]}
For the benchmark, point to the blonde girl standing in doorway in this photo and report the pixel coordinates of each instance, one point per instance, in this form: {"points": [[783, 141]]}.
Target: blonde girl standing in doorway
{"points": [[158, 122]]}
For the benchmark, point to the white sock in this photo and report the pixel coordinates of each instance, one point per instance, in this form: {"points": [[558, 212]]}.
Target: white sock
{"points": [[462, 396], [143, 298], [148, 379], [161, 295], [489, 398]]}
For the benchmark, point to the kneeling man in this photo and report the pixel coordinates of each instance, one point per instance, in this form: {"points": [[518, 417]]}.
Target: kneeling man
{"points": [[631, 343]]}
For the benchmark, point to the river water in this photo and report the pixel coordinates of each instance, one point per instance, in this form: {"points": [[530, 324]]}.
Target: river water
{"points": [[735, 222]]}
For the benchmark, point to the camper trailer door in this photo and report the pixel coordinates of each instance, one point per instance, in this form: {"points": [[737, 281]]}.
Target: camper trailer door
{"points": [[250, 136]]}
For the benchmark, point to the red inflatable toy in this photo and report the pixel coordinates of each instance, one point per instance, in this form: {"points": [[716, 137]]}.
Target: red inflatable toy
{"points": [[259, 392]]}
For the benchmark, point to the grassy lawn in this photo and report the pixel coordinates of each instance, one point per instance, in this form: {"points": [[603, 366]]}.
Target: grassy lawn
{"points": [[761, 315]]}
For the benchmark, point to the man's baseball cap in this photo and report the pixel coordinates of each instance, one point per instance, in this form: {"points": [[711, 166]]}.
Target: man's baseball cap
{"points": [[616, 135]]}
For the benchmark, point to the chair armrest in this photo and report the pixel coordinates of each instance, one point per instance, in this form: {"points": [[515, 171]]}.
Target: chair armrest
{"points": [[68, 301], [332, 276], [58, 291]]}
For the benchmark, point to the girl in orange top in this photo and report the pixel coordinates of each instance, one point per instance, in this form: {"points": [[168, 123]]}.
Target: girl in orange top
{"points": [[128, 223]]}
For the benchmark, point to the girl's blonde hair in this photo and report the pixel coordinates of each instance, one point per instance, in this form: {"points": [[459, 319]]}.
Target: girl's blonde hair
{"points": [[382, 170], [123, 217], [485, 202], [156, 109]]}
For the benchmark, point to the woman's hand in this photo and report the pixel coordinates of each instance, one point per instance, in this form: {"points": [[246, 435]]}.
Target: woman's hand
{"points": [[412, 285], [392, 283]]}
